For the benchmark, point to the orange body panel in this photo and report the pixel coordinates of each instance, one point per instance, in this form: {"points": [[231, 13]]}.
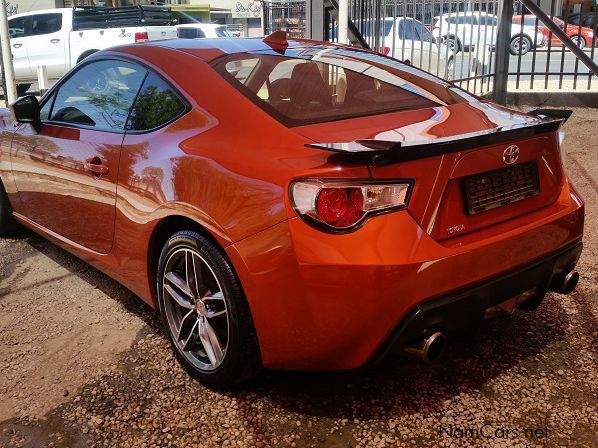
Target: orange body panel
{"points": [[319, 300]]}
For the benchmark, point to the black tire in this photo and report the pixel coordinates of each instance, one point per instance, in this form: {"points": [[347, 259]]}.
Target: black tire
{"points": [[450, 66], [520, 45], [85, 55], [241, 360], [8, 225], [22, 89], [453, 43]]}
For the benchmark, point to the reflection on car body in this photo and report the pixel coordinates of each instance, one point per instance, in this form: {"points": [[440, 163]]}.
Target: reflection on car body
{"points": [[347, 206]]}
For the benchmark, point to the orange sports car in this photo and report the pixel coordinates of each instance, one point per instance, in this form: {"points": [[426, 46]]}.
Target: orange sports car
{"points": [[293, 204]]}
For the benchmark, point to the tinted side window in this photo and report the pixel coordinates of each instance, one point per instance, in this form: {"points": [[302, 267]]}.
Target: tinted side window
{"points": [[99, 94], [408, 30], [191, 33], [45, 23], [157, 104], [17, 27], [531, 21]]}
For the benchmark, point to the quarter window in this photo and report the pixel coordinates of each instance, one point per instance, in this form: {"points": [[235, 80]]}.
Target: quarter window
{"points": [[44, 113], [156, 105], [99, 95]]}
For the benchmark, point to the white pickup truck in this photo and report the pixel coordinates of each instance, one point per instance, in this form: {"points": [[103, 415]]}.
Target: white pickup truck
{"points": [[59, 38]]}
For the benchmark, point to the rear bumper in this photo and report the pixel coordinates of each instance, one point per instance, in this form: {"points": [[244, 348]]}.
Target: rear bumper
{"points": [[463, 311], [325, 301]]}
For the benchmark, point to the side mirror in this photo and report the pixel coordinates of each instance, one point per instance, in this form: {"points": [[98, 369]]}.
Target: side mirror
{"points": [[27, 110]]}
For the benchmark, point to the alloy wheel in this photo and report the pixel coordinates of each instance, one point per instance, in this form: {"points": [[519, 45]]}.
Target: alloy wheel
{"points": [[579, 41], [520, 45], [195, 309]]}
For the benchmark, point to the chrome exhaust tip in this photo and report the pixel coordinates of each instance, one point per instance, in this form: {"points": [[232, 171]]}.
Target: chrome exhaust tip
{"points": [[428, 349], [566, 284], [570, 282]]}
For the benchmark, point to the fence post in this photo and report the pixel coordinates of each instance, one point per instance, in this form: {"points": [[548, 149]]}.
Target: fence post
{"points": [[503, 43], [314, 19], [8, 73], [343, 21]]}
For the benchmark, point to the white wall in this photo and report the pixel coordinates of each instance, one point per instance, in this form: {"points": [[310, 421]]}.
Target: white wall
{"points": [[17, 6]]}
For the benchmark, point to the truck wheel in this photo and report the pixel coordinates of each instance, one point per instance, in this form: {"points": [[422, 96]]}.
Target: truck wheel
{"points": [[85, 55], [22, 89]]}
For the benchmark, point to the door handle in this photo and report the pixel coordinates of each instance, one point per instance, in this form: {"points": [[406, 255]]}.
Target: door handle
{"points": [[17, 45], [54, 41], [96, 167]]}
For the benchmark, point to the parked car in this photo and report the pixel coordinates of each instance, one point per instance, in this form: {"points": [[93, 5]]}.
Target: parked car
{"points": [[59, 38], [474, 28], [202, 30], [581, 37], [299, 229], [409, 40]]}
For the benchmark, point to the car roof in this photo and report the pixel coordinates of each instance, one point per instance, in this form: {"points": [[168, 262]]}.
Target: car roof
{"points": [[202, 25], [209, 49], [466, 13], [41, 11]]}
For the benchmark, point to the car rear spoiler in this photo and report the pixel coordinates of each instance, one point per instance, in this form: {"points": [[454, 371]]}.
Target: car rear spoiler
{"points": [[382, 152]]}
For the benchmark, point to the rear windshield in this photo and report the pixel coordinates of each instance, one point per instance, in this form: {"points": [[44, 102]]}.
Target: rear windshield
{"points": [[314, 86]]}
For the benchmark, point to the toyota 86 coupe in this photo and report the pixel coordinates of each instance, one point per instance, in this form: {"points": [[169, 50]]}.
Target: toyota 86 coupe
{"points": [[293, 204]]}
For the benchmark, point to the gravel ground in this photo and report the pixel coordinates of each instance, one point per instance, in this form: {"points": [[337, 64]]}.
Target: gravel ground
{"points": [[85, 363]]}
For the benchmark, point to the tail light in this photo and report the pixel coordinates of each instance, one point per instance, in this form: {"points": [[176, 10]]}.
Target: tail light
{"points": [[141, 36], [435, 28], [340, 205], [386, 50]]}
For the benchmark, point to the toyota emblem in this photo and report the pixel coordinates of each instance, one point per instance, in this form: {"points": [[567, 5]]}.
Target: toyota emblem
{"points": [[510, 154]]}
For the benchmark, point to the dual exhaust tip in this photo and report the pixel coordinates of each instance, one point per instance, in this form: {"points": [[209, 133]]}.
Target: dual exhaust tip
{"points": [[566, 283], [430, 348]]}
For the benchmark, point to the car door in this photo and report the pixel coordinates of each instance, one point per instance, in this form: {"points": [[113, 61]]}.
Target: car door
{"points": [[47, 44], [19, 29], [66, 174]]}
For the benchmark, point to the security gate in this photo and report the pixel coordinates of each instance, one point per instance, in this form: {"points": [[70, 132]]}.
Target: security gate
{"points": [[487, 47]]}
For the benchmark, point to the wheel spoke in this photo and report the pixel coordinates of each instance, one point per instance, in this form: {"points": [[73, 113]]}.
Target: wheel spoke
{"points": [[182, 301], [195, 275], [210, 342], [179, 283], [188, 324], [210, 314], [216, 296], [191, 341]]}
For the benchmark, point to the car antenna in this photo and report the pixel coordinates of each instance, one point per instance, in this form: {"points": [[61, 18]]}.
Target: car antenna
{"points": [[277, 41]]}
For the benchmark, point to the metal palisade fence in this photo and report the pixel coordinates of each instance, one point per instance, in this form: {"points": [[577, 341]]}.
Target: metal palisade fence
{"points": [[459, 40]]}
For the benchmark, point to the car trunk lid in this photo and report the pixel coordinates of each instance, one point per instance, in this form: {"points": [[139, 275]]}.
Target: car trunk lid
{"points": [[474, 164]]}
